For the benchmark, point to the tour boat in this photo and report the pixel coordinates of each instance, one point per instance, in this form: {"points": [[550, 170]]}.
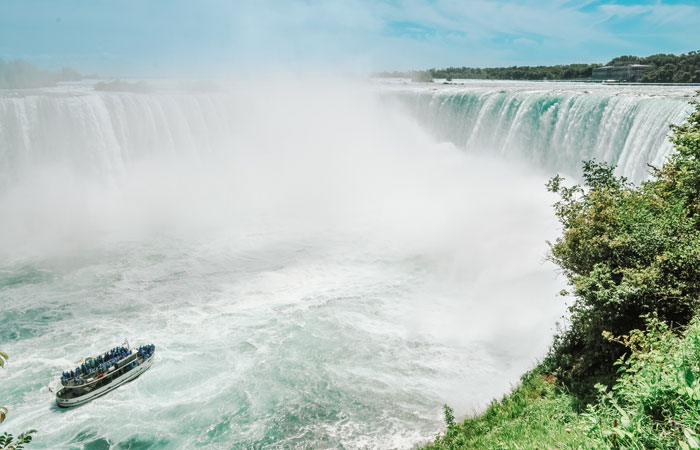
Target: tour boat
{"points": [[103, 373]]}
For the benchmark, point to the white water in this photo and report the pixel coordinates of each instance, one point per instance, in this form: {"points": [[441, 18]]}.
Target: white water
{"points": [[554, 126], [313, 267]]}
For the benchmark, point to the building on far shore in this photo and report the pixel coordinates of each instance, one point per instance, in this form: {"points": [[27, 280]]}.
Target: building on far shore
{"points": [[620, 72]]}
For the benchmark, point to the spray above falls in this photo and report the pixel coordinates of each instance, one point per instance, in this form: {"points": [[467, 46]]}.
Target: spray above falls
{"points": [[552, 126], [327, 269]]}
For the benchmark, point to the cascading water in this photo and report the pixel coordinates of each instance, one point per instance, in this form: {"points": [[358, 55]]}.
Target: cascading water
{"points": [[557, 125], [103, 134], [314, 269]]}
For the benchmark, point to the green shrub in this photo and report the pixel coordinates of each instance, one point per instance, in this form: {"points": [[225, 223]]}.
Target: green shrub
{"points": [[627, 251], [535, 415], [632, 258], [655, 403]]}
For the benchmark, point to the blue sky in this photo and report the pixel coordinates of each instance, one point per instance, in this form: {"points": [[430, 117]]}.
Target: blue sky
{"points": [[157, 37]]}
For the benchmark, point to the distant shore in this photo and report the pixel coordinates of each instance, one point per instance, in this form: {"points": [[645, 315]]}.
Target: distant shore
{"points": [[660, 68]]}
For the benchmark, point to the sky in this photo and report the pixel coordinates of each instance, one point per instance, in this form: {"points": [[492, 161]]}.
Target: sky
{"points": [[182, 37]]}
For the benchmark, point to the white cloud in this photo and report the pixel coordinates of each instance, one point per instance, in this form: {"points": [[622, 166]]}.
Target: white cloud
{"points": [[658, 13], [357, 34]]}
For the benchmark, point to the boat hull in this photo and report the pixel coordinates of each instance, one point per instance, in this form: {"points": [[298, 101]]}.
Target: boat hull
{"points": [[125, 378]]}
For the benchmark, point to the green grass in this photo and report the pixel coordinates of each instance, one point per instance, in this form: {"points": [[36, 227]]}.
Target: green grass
{"points": [[655, 403], [535, 415], [632, 256]]}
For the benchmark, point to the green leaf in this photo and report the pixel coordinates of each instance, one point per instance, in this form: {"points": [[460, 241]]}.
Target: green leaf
{"points": [[687, 377], [624, 417], [625, 421], [623, 433], [692, 441]]}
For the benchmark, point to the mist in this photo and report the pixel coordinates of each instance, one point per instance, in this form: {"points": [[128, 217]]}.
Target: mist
{"points": [[277, 212], [320, 259], [302, 157], [304, 162]]}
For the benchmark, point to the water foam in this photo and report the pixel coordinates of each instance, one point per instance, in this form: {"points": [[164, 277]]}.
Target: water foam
{"points": [[313, 267]]}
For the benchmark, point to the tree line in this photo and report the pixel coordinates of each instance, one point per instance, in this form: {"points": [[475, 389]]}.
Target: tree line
{"points": [[559, 72], [684, 68], [666, 68]]}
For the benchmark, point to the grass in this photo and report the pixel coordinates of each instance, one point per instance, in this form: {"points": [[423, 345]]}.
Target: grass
{"points": [[655, 403], [537, 414]]}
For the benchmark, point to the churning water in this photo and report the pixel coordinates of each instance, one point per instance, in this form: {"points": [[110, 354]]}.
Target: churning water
{"points": [[318, 265]]}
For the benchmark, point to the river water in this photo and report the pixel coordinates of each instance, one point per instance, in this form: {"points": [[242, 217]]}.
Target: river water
{"points": [[319, 265]]}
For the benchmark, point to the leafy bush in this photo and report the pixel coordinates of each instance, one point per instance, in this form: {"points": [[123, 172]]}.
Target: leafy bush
{"points": [[655, 403], [627, 251], [516, 421], [632, 256], [8, 442]]}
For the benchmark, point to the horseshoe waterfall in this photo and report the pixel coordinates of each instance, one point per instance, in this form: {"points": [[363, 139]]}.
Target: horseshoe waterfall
{"points": [[323, 262]]}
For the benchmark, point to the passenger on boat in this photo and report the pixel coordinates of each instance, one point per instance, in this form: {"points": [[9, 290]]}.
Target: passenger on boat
{"points": [[103, 363], [146, 351]]}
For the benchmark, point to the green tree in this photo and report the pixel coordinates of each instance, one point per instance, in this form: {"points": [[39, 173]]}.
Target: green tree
{"points": [[665, 68], [626, 251], [655, 402]]}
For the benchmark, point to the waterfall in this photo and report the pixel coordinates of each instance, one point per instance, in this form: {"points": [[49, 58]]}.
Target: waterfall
{"points": [[328, 271], [554, 126], [104, 133]]}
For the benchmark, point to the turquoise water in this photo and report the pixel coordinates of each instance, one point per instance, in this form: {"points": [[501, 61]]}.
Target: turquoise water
{"points": [[291, 344], [246, 357], [554, 125], [315, 268]]}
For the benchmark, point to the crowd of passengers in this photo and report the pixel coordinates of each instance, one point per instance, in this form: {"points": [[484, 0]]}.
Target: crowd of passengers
{"points": [[146, 351], [98, 365], [102, 363]]}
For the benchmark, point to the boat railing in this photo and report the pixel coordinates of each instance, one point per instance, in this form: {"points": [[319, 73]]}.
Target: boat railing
{"points": [[94, 377], [95, 371]]}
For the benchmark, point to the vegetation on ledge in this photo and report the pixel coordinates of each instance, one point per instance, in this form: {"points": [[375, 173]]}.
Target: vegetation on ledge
{"points": [[666, 68], [683, 68], [631, 255], [655, 403], [559, 72]]}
